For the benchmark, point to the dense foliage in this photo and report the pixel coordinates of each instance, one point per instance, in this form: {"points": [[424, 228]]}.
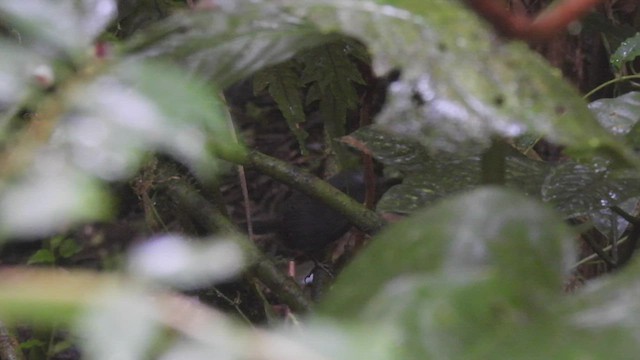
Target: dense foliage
{"points": [[95, 93]]}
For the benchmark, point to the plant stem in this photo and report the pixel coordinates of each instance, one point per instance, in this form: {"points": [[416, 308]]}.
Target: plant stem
{"points": [[494, 163], [611, 82]]}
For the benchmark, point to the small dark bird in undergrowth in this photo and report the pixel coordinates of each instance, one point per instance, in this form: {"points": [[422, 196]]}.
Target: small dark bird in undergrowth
{"points": [[307, 225]]}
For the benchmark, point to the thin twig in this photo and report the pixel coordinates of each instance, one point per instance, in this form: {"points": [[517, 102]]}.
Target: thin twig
{"points": [[241, 174], [598, 250], [625, 215], [595, 255]]}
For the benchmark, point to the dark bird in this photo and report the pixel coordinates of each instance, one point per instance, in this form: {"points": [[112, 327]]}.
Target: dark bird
{"points": [[308, 225]]}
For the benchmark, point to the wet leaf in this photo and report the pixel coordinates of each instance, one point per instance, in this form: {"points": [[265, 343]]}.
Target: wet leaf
{"points": [[69, 26], [174, 261], [573, 188], [576, 188], [618, 115], [460, 282], [17, 78], [50, 196], [138, 108], [611, 224], [122, 322], [522, 246], [230, 43], [445, 98], [438, 317], [449, 100], [626, 52], [608, 307]]}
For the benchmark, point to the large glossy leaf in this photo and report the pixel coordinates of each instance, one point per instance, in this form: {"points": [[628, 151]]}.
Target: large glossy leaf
{"points": [[18, 69], [576, 188], [471, 86], [230, 43], [618, 115], [593, 306], [573, 188], [50, 196], [609, 307], [59, 25], [460, 281], [106, 128], [436, 317], [137, 108], [519, 243]]}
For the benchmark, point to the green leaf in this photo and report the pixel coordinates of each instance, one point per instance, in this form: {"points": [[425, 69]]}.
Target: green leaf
{"points": [[285, 87], [626, 52], [437, 317], [31, 343], [42, 256], [140, 107], [472, 87], [576, 188], [573, 188], [523, 248], [229, 44], [332, 75], [590, 310], [618, 115], [123, 319], [68, 248], [64, 25], [174, 261], [51, 196], [460, 281], [18, 68]]}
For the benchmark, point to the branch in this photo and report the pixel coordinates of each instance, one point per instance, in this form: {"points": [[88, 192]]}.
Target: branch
{"points": [[309, 184], [555, 19], [546, 25], [203, 212]]}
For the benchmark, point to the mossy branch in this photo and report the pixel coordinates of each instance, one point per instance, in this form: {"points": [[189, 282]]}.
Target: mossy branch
{"points": [[262, 268], [302, 180]]}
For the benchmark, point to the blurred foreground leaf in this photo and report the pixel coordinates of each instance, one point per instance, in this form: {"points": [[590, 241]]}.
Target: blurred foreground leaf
{"points": [[462, 101], [445, 98], [68, 26], [137, 108], [459, 237], [50, 197]]}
